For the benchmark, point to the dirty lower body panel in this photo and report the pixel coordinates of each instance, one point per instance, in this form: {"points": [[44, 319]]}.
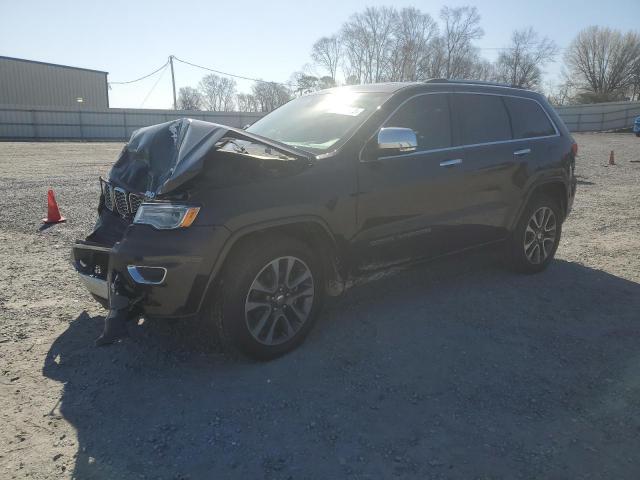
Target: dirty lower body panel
{"points": [[166, 272]]}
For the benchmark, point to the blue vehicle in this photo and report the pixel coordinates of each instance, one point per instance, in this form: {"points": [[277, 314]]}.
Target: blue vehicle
{"points": [[636, 127]]}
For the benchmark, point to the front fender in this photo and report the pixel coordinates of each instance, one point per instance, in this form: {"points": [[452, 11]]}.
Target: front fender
{"points": [[243, 232]]}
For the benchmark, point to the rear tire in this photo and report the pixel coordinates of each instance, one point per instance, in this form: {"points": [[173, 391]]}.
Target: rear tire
{"points": [[533, 243], [272, 292]]}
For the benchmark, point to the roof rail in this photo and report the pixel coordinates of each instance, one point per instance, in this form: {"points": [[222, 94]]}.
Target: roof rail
{"points": [[473, 82]]}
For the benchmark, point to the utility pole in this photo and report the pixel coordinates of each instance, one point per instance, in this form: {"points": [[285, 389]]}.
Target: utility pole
{"points": [[173, 82]]}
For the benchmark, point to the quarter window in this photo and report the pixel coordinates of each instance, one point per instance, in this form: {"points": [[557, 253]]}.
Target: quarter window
{"points": [[481, 118], [528, 119], [428, 116]]}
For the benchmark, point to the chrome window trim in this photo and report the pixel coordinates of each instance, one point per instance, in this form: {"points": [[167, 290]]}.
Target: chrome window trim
{"points": [[553, 124], [448, 149], [458, 147]]}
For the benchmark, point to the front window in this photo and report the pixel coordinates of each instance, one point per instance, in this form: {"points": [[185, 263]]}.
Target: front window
{"points": [[428, 116], [321, 121]]}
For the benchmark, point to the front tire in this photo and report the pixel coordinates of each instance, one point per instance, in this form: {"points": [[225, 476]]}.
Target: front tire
{"points": [[533, 243], [272, 292]]}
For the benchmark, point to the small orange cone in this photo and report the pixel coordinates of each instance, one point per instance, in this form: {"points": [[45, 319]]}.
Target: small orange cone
{"points": [[53, 213], [612, 161]]}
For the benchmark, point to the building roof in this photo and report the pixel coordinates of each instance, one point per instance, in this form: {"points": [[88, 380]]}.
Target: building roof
{"points": [[51, 64]]}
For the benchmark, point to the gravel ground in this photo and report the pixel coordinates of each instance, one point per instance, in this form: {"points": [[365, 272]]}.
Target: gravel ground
{"points": [[455, 369]]}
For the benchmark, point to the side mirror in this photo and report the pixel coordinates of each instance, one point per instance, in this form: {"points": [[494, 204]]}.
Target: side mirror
{"points": [[396, 139]]}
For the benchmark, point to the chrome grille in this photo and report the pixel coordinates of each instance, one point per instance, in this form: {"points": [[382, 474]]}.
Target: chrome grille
{"points": [[119, 201], [108, 195], [122, 205], [134, 202]]}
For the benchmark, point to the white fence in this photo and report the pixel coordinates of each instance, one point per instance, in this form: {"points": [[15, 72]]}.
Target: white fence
{"points": [[599, 117], [31, 123]]}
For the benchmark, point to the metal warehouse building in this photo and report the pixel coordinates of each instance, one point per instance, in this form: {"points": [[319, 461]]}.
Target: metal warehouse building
{"points": [[39, 84]]}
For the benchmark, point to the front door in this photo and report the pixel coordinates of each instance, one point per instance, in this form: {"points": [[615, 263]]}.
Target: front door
{"points": [[406, 201]]}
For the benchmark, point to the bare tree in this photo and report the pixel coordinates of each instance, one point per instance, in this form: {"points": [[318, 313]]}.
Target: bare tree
{"points": [[460, 27], [326, 82], [634, 90], [326, 53], [189, 99], [413, 36], [521, 64], [561, 93], [306, 83], [602, 61], [246, 102], [367, 40], [218, 93], [353, 48], [386, 44], [270, 95], [434, 64], [481, 69]]}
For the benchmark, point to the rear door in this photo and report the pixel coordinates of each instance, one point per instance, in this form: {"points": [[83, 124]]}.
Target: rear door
{"points": [[482, 130], [406, 201], [534, 143]]}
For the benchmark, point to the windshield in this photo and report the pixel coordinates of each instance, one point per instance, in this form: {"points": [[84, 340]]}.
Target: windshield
{"points": [[320, 121]]}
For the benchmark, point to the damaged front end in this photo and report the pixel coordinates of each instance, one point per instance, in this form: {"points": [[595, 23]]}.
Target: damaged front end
{"points": [[152, 251]]}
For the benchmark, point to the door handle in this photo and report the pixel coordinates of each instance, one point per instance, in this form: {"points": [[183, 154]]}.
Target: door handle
{"points": [[520, 153], [451, 163]]}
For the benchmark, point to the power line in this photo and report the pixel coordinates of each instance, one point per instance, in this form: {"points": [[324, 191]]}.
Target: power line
{"points": [[231, 74], [141, 78], [289, 84], [154, 85]]}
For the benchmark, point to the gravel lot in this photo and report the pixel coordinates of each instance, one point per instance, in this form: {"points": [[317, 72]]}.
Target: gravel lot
{"points": [[455, 369]]}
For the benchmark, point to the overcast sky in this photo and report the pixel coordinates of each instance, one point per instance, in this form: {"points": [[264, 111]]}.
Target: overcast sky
{"points": [[268, 40]]}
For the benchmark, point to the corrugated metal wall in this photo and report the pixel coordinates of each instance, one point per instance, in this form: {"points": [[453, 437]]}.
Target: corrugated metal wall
{"points": [[599, 117], [24, 123], [29, 83], [20, 123]]}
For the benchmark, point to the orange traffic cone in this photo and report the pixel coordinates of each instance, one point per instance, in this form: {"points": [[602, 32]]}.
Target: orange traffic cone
{"points": [[612, 160], [53, 213]]}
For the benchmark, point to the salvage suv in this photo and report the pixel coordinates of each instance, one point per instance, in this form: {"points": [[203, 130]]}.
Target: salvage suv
{"points": [[251, 229]]}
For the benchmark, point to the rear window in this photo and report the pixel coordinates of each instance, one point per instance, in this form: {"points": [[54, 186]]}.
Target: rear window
{"points": [[481, 118], [528, 119]]}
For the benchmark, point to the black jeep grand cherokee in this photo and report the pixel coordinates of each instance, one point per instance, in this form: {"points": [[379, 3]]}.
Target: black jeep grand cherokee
{"points": [[252, 228]]}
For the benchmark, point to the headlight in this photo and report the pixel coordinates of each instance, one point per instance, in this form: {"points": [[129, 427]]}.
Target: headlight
{"points": [[166, 216]]}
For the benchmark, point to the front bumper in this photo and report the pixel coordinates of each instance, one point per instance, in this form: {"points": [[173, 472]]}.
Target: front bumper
{"points": [[88, 260], [185, 258]]}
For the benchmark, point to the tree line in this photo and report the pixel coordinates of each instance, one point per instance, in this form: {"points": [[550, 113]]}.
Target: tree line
{"points": [[383, 44]]}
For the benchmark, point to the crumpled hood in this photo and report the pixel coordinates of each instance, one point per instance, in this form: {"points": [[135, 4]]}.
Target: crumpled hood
{"points": [[162, 157]]}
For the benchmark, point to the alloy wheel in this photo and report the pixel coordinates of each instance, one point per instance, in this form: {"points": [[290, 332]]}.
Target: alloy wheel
{"points": [[540, 235], [279, 301]]}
